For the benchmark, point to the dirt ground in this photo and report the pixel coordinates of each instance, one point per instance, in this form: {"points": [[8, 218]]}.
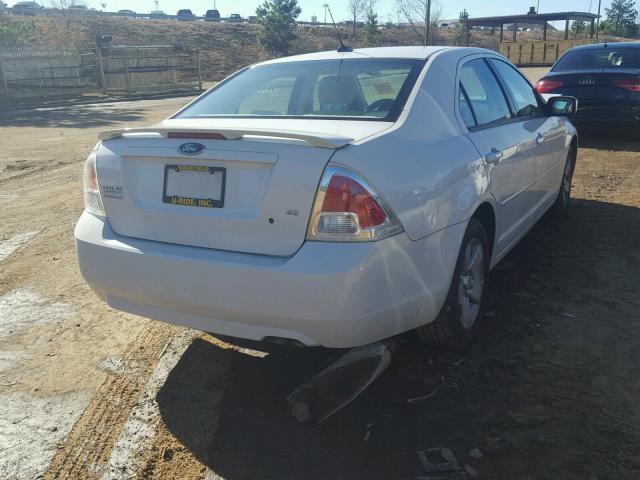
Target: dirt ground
{"points": [[549, 391]]}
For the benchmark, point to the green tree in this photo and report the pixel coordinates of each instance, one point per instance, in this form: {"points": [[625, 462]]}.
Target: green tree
{"points": [[461, 30], [15, 32], [621, 18], [276, 25], [370, 30], [578, 27]]}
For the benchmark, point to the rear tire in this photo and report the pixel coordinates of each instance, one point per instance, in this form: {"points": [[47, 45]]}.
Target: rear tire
{"points": [[561, 205], [459, 319]]}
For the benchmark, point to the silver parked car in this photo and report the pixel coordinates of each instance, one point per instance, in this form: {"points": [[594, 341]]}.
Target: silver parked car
{"points": [[334, 198]]}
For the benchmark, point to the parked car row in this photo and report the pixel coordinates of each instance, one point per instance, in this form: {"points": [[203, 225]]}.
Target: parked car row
{"points": [[30, 7], [186, 15]]}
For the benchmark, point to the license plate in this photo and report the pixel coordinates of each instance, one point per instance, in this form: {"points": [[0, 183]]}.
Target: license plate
{"points": [[194, 185]]}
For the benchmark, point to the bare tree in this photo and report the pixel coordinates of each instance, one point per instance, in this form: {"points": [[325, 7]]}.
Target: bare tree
{"points": [[421, 15], [357, 8]]}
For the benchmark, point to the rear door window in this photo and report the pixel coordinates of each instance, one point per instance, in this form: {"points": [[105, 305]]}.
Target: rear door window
{"points": [[483, 93], [465, 109], [525, 100]]}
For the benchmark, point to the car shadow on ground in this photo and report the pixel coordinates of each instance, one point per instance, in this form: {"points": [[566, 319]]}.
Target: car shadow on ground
{"points": [[519, 393], [78, 116], [612, 139]]}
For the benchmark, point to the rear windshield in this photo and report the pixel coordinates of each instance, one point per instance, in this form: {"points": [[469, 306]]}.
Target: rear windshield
{"points": [[599, 58], [362, 89]]}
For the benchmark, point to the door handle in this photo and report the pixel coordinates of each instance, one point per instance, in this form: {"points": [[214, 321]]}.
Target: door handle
{"points": [[493, 156], [539, 139]]}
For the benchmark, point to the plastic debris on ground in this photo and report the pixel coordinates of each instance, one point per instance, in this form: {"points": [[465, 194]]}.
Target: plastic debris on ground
{"points": [[438, 460], [340, 383]]}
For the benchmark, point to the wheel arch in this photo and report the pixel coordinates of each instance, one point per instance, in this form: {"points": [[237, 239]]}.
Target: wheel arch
{"points": [[487, 215], [573, 147]]}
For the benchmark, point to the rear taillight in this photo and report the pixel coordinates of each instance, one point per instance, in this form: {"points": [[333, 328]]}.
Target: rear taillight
{"points": [[631, 84], [348, 209], [545, 85], [92, 199]]}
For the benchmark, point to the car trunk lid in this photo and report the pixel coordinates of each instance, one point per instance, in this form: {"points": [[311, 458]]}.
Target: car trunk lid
{"points": [[595, 85], [262, 183]]}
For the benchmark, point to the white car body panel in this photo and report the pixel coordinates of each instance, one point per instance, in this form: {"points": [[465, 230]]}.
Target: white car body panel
{"points": [[234, 271], [258, 188], [351, 130], [303, 297]]}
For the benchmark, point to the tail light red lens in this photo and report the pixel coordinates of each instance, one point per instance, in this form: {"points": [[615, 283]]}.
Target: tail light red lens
{"points": [[631, 84], [544, 85], [92, 199], [91, 177], [348, 209], [344, 194]]}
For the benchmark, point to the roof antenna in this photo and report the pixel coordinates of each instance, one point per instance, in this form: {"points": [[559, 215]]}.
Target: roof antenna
{"points": [[342, 47]]}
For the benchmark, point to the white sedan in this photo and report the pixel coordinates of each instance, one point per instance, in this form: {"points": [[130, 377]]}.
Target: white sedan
{"points": [[332, 199]]}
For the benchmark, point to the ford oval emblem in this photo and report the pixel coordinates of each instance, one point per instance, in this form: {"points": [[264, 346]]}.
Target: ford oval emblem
{"points": [[191, 148]]}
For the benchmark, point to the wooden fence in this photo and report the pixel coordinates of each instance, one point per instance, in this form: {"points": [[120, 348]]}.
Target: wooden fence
{"points": [[538, 52], [147, 68], [27, 71], [26, 68]]}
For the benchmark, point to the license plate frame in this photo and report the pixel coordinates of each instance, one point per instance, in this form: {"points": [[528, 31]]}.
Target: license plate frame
{"points": [[179, 200]]}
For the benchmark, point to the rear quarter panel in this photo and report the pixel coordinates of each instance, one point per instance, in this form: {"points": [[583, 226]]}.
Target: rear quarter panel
{"points": [[425, 167]]}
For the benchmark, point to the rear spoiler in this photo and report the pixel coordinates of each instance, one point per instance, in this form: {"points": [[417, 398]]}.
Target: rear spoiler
{"points": [[315, 139]]}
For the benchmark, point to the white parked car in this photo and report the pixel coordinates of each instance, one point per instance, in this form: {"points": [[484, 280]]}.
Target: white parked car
{"points": [[334, 199]]}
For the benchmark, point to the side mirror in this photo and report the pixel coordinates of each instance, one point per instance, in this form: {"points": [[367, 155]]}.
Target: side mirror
{"points": [[562, 106]]}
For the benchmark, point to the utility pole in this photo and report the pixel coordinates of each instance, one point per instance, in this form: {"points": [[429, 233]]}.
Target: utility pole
{"points": [[538, 7], [427, 21], [598, 19], [325, 6]]}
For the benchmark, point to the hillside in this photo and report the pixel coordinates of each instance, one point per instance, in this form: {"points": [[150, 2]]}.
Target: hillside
{"points": [[223, 47]]}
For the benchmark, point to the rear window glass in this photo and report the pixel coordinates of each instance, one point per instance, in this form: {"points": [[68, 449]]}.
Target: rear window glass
{"points": [[366, 89], [599, 58]]}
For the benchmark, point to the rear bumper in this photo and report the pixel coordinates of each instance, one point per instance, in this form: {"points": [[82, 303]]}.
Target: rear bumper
{"points": [[606, 114], [329, 294]]}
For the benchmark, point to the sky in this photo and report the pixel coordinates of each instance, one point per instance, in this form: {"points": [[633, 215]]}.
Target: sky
{"points": [[386, 8]]}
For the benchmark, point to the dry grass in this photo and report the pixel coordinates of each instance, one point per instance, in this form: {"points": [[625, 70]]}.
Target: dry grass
{"points": [[224, 47]]}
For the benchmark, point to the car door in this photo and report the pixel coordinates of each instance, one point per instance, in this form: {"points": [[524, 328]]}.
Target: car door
{"points": [[548, 131], [505, 144]]}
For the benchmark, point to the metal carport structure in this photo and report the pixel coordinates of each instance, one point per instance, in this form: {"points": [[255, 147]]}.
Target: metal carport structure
{"points": [[533, 18]]}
